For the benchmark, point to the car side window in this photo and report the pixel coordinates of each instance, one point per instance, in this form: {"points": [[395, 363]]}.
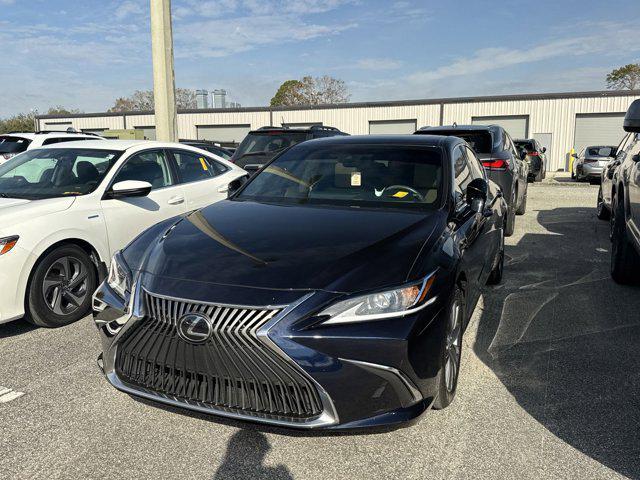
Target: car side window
{"points": [[477, 170], [194, 166], [462, 172], [150, 166]]}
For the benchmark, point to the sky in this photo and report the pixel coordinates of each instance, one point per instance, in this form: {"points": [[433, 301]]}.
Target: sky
{"points": [[85, 54]]}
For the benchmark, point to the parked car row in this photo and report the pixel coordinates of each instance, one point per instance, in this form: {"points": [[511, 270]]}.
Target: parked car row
{"points": [[265, 296], [619, 199]]}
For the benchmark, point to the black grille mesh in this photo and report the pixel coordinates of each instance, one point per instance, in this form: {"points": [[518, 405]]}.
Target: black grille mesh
{"points": [[234, 370]]}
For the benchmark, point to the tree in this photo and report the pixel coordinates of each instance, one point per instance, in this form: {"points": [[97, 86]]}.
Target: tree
{"points": [[143, 100], [60, 110], [311, 91], [624, 78], [289, 93], [22, 122]]}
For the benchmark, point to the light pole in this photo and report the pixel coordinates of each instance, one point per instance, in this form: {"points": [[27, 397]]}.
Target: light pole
{"points": [[164, 87]]}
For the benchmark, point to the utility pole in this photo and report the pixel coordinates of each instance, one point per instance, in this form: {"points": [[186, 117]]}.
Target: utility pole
{"points": [[164, 86]]}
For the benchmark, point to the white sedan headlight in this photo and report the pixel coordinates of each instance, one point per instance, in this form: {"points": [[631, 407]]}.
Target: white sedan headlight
{"points": [[119, 279], [381, 305]]}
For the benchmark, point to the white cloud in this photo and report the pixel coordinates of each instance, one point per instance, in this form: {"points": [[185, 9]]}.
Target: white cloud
{"points": [[129, 8], [378, 64]]}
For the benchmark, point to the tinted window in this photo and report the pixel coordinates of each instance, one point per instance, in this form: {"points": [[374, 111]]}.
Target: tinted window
{"points": [[480, 140], [44, 173], [359, 175], [151, 167], [599, 151], [528, 146], [477, 170], [461, 169], [268, 142], [13, 144], [194, 167]]}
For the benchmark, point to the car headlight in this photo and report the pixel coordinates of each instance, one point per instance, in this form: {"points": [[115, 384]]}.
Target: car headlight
{"points": [[119, 279], [381, 305], [7, 244]]}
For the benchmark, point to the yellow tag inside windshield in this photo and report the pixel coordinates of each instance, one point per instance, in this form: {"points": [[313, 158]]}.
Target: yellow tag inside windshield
{"points": [[400, 194], [203, 162]]}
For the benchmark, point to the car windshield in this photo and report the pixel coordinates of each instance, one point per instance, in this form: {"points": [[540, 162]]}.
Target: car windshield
{"points": [[268, 142], [10, 144], [599, 151], [528, 146], [354, 175], [59, 172]]}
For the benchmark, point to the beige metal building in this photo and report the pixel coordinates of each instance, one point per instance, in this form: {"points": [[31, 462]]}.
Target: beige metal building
{"points": [[560, 121]]}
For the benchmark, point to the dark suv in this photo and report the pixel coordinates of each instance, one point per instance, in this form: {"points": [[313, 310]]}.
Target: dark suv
{"points": [[536, 158], [501, 160], [625, 204], [261, 145]]}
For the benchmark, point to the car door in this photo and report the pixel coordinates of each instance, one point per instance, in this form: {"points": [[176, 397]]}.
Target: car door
{"points": [[205, 180], [125, 218], [469, 225], [633, 179]]}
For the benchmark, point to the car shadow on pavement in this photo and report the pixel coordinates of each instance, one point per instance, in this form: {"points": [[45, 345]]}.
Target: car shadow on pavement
{"points": [[245, 456], [563, 338], [15, 328]]}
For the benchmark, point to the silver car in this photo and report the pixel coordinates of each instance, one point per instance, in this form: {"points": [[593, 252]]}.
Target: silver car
{"points": [[588, 165]]}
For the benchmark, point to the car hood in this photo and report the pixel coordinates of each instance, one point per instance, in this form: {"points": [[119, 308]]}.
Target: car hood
{"points": [[14, 211], [337, 249]]}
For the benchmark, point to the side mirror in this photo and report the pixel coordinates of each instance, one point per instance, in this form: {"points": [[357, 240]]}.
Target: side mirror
{"points": [[130, 188], [543, 149], [574, 155], [235, 185], [476, 195], [632, 118]]}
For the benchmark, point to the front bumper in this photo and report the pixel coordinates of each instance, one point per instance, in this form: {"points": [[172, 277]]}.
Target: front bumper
{"points": [[15, 267], [373, 374]]}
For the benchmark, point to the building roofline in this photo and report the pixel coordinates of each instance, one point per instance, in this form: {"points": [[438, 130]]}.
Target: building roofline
{"points": [[393, 103]]}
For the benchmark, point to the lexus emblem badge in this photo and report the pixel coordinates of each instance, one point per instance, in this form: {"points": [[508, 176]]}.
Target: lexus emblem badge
{"points": [[194, 328]]}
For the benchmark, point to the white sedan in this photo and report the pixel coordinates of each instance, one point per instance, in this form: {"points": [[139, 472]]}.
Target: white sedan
{"points": [[66, 209]]}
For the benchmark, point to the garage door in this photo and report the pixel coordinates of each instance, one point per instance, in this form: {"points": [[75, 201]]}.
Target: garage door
{"points": [[149, 132], [224, 134], [393, 127], [516, 126], [594, 129]]}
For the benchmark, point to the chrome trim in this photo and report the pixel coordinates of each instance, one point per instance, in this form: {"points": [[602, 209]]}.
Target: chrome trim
{"points": [[413, 390], [327, 418], [218, 304]]}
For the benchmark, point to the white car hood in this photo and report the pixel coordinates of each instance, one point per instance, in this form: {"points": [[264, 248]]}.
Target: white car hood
{"points": [[15, 211]]}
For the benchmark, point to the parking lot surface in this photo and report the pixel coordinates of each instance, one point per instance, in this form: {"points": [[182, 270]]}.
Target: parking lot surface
{"points": [[549, 388]]}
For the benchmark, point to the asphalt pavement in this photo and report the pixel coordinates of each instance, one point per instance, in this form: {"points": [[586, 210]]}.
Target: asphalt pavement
{"points": [[549, 388]]}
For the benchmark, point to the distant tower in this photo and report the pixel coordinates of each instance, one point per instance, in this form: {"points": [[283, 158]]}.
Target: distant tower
{"points": [[220, 99], [202, 99]]}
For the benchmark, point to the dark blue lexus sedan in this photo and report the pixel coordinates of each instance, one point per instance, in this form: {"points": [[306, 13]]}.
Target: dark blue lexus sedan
{"points": [[331, 290]]}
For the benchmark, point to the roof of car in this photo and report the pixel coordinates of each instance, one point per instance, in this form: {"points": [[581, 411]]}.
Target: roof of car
{"points": [[457, 127], [109, 144], [311, 128], [426, 140], [32, 135]]}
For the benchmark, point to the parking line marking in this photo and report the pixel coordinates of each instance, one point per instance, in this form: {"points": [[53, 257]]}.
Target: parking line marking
{"points": [[7, 394]]}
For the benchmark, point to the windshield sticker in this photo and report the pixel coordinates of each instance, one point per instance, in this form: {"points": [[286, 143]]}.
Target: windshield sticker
{"points": [[400, 194], [356, 179], [204, 164]]}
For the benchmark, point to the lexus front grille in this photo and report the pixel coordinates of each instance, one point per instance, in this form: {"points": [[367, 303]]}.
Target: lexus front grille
{"points": [[234, 370]]}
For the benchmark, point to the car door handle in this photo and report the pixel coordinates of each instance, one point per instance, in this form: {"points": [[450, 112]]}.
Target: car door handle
{"points": [[177, 200]]}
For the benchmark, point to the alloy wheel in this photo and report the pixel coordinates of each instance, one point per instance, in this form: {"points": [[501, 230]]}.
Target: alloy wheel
{"points": [[453, 347], [65, 285]]}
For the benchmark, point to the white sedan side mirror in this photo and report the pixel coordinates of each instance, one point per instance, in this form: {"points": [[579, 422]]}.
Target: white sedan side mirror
{"points": [[130, 188]]}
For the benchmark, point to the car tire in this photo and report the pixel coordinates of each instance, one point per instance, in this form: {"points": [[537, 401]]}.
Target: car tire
{"points": [[539, 176], [495, 277], [61, 286], [451, 352], [625, 261], [522, 209], [602, 210]]}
